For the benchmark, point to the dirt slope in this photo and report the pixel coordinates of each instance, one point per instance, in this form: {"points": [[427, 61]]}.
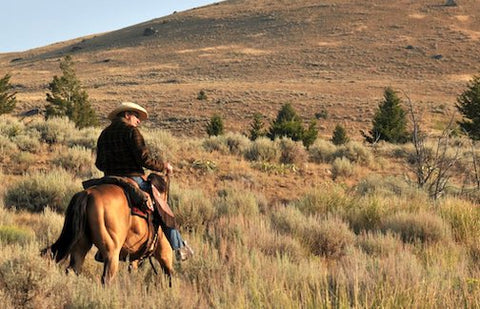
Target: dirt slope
{"points": [[251, 56]]}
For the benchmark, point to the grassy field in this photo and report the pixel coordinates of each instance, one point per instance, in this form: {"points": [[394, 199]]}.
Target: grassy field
{"points": [[273, 225], [266, 233]]}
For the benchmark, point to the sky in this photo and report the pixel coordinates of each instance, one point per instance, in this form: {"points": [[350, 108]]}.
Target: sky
{"points": [[27, 24]]}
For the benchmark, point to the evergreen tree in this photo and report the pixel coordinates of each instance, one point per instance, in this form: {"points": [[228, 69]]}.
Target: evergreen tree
{"points": [[310, 134], [7, 98], [67, 98], [468, 103], [256, 127], [215, 126], [202, 95], [389, 122], [287, 124], [339, 136]]}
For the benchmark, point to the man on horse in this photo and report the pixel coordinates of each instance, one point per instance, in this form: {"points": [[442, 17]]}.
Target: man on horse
{"points": [[121, 151]]}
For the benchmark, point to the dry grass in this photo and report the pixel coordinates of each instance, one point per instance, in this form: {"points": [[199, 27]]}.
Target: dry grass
{"points": [[265, 234]]}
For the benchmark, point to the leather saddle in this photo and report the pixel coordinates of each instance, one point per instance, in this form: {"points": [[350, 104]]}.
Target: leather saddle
{"points": [[138, 200]]}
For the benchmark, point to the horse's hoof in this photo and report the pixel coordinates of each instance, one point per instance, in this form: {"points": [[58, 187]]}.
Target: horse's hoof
{"points": [[99, 257]]}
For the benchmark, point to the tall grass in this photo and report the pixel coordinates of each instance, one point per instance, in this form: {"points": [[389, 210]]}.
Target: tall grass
{"points": [[77, 160], [42, 189], [377, 242]]}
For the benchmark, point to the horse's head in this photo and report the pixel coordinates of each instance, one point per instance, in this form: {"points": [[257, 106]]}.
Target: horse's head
{"points": [[158, 181]]}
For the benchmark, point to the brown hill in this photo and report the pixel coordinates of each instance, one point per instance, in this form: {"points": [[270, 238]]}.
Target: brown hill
{"points": [[255, 55]]}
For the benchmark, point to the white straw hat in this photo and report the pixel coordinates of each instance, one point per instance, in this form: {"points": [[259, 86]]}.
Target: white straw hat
{"points": [[129, 106]]}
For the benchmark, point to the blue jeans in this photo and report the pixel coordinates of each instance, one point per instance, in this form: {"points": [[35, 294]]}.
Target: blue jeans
{"points": [[173, 235]]}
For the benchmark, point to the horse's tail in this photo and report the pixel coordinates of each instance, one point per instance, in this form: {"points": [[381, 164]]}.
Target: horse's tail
{"points": [[73, 227]]}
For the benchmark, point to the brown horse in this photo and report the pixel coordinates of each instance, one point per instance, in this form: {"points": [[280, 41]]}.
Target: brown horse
{"points": [[100, 216]]}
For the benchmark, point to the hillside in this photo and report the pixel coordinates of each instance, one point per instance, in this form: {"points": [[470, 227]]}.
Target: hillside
{"points": [[251, 56]]}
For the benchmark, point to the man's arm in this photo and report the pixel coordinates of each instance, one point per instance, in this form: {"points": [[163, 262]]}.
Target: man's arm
{"points": [[142, 154]]}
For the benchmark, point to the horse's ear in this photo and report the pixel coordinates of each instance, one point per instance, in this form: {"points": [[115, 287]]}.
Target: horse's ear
{"points": [[158, 181]]}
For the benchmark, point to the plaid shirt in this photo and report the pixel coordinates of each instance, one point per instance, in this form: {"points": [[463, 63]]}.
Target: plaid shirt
{"points": [[121, 151]]}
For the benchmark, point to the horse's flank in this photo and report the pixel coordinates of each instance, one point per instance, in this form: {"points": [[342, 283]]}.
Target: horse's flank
{"points": [[101, 216]]}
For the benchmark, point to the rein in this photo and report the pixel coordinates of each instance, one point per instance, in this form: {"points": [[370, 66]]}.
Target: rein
{"points": [[169, 200], [155, 240]]}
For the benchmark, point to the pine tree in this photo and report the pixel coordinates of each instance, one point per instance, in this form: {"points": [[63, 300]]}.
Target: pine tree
{"points": [[215, 126], [310, 134], [7, 98], [389, 122], [339, 136], [256, 127], [468, 103], [288, 124], [67, 98]]}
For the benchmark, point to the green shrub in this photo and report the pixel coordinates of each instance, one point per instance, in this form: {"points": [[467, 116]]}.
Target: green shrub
{"points": [[38, 190], [262, 149], [342, 167], [236, 143], [323, 200], [230, 143], [282, 245], [411, 227], [54, 130], [379, 244], [23, 161], [7, 148], [366, 214], [77, 160], [15, 235], [275, 168], [215, 126], [386, 185], [339, 136], [10, 126], [291, 152], [402, 151], [389, 122], [162, 144], [355, 152], [232, 202], [215, 143], [463, 218], [204, 165], [288, 220], [202, 95], [329, 237], [48, 226], [322, 114], [28, 143], [31, 282], [85, 137], [192, 209], [322, 151]]}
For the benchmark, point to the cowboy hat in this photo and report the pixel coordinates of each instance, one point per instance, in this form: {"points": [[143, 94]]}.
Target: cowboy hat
{"points": [[131, 107]]}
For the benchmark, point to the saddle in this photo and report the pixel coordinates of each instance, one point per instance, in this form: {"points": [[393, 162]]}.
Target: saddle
{"points": [[156, 214], [136, 197]]}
